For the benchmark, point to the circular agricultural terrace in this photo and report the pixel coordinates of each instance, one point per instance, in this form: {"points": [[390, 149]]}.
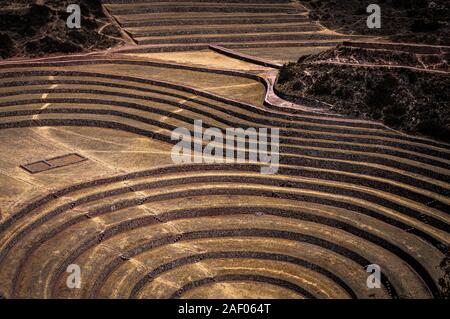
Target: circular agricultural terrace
{"points": [[87, 176]]}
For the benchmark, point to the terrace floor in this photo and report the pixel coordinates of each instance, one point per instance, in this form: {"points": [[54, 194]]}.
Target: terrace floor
{"points": [[349, 193]]}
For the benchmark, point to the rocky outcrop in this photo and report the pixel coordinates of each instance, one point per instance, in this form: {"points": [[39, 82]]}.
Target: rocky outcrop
{"points": [[424, 21], [403, 90], [38, 28]]}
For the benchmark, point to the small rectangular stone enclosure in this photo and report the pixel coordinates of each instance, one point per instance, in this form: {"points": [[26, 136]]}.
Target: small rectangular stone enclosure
{"points": [[48, 164]]}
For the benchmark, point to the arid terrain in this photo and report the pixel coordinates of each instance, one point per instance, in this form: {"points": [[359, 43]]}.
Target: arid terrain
{"points": [[405, 87], [87, 177], [38, 28], [418, 21]]}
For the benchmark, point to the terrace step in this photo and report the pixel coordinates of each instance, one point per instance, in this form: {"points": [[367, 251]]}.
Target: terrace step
{"points": [[259, 30], [232, 45], [348, 193], [122, 9], [140, 21], [238, 38], [245, 57], [151, 32], [214, 26]]}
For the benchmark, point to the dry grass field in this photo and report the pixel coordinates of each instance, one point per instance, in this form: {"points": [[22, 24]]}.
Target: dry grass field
{"points": [[349, 192]]}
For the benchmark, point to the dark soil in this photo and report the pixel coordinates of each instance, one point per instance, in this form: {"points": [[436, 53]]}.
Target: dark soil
{"points": [[444, 282], [420, 21], [349, 54], [410, 100], [38, 27]]}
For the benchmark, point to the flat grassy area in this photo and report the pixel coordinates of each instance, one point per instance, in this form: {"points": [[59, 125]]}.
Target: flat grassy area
{"points": [[206, 58]]}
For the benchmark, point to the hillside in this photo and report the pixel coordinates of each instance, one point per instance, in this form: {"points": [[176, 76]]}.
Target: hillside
{"points": [[404, 90], [37, 28], [421, 21]]}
